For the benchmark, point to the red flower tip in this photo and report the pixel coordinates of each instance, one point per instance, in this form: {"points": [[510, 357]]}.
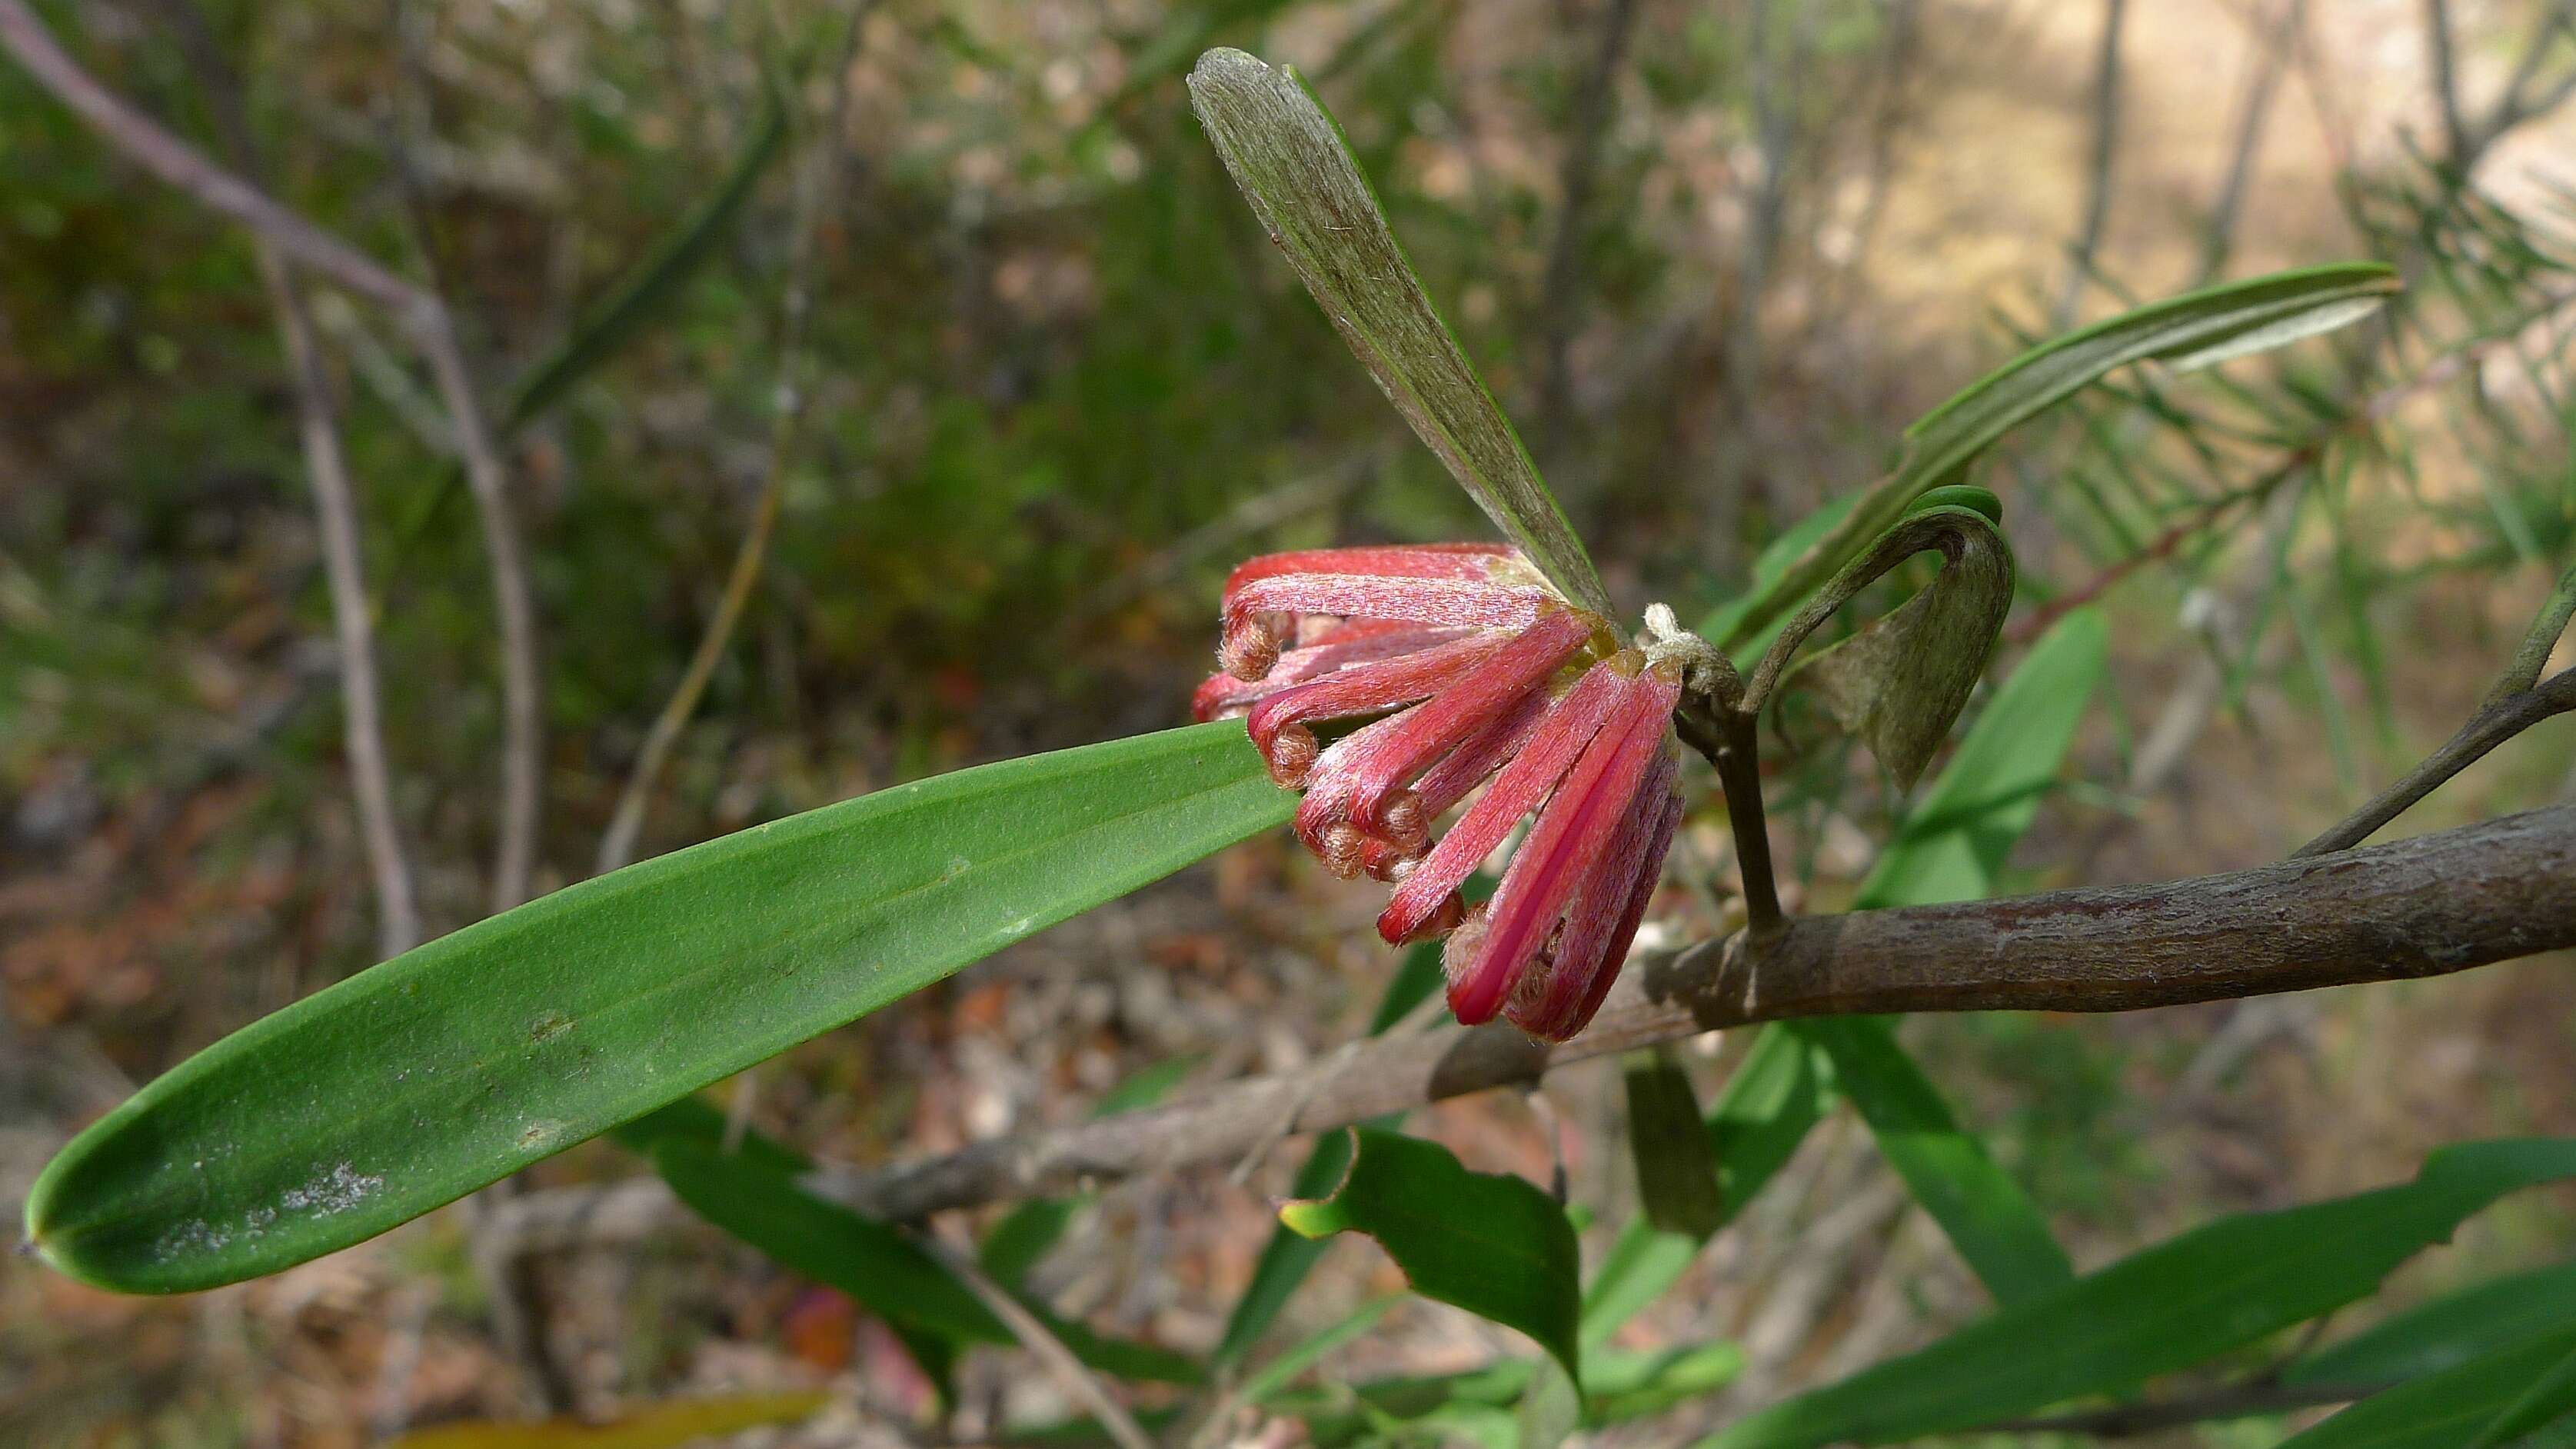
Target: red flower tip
{"points": [[1477, 671]]}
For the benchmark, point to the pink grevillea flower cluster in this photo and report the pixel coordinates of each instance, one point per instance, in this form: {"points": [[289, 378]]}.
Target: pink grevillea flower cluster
{"points": [[1477, 673]]}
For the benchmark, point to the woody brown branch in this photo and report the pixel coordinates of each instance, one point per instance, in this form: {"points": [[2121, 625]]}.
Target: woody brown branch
{"points": [[2426, 906]]}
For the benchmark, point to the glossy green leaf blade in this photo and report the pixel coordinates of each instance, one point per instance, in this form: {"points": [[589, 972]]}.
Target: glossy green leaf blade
{"points": [[2213, 1289], [2550, 1397], [1780, 1091], [1288, 1257], [2192, 330], [1986, 1215], [2451, 1408], [1952, 847], [1298, 174], [1676, 1164], [604, 326], [455, 1064], [2448, 1331], [693, 1122], [877, 1265], [1486, 1242]]}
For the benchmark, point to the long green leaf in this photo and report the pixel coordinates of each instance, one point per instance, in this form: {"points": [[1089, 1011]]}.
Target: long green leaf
{"points": [[2193, 330], [1778, 1093], [2550, 1397], [877, 1265], [1487, 1242], [2451, 1408], [1677, 1184], [1952, 847], [605, 325], [1297, 171], [1288, 1257], [694, 1123], [455, 1064], [2216, 1288], [2448, 1331], [1987, 1216]]}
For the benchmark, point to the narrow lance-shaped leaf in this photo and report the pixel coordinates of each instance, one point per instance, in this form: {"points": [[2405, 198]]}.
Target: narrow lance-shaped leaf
{"points": [[2193, 330], [1779, 1092], [605, 325], [876, 1264], [1900, 683], [2459, 1405], [2448, 1331], [459, 1062], [2550, 1397], [1297, 171], [1486, 1242], [1985, 1213], [694, 1124], [2213, 1289], [1676, 1165]]}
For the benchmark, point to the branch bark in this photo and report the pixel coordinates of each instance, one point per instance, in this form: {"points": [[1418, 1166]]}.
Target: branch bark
{"points": [[2425, 906]]}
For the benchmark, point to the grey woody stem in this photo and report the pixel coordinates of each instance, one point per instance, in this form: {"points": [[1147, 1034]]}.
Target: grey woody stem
{"points": [[2425, 906]]}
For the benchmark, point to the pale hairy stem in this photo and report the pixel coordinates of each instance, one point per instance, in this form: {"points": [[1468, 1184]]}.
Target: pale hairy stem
{"points": [[2414, 908], [818, 195], [2104, 152], [424, 317]]}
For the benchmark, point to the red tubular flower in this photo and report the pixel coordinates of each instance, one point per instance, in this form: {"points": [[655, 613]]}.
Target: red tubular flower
{"points": [[1478, 671]]}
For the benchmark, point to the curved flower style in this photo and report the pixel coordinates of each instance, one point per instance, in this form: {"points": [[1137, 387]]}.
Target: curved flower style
{"points": [[1478, 672]]}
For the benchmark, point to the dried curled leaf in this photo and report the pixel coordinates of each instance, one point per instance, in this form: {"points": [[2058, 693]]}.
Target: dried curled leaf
{"points": [[1899, 684]]}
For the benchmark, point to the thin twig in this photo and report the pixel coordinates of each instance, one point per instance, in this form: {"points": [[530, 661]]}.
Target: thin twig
{"points": [[2493, 725], [2517, 102], [2105, 151], [2425, 906], [424, 316], [817, 197], [522, 705], [1041, 1342], [2446, 81], [2272, 55], [144, 142], [1560, 293], [335, 507]]}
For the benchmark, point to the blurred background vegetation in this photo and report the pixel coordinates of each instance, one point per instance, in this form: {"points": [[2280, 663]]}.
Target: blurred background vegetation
{"points": [[1713, 255]]}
